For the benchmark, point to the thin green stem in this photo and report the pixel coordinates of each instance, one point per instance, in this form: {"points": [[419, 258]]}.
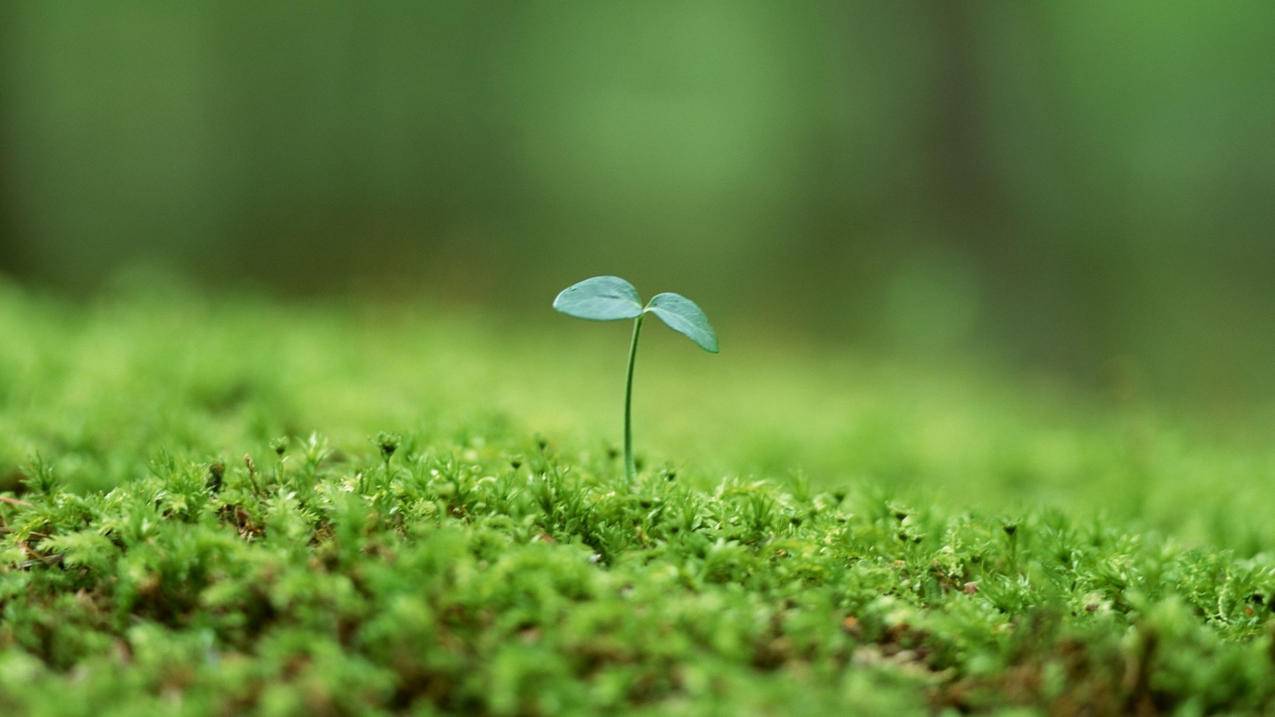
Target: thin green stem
{"points": [[630, 468]]}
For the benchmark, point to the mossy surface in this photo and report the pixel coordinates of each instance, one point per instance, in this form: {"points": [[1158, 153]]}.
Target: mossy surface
{"points": [[232, 507]]}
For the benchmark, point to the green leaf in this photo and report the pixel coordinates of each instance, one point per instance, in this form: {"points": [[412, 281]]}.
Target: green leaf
{"points": [[602, 298], [685, 317]]}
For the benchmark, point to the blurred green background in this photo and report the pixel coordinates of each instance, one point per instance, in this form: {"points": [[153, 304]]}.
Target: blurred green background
{"points": [[1082, 188]]}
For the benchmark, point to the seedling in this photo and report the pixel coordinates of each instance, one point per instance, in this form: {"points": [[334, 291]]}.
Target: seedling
{"points": [[610, 298]]}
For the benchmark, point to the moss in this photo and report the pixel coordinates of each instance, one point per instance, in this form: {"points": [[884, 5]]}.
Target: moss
{"points": [[477, 566]]}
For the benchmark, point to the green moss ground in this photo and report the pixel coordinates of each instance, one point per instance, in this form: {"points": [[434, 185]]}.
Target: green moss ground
{"points": [[811, 532]]}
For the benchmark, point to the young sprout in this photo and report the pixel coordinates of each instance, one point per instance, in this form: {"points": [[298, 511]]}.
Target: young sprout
{"points": [[610, 298]]}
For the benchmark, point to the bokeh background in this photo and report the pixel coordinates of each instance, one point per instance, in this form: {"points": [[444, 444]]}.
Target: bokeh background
{"points": [[1083, 189]]}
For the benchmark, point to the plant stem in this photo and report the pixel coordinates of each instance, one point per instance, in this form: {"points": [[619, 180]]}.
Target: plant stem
{"points": [[630, 469]]}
